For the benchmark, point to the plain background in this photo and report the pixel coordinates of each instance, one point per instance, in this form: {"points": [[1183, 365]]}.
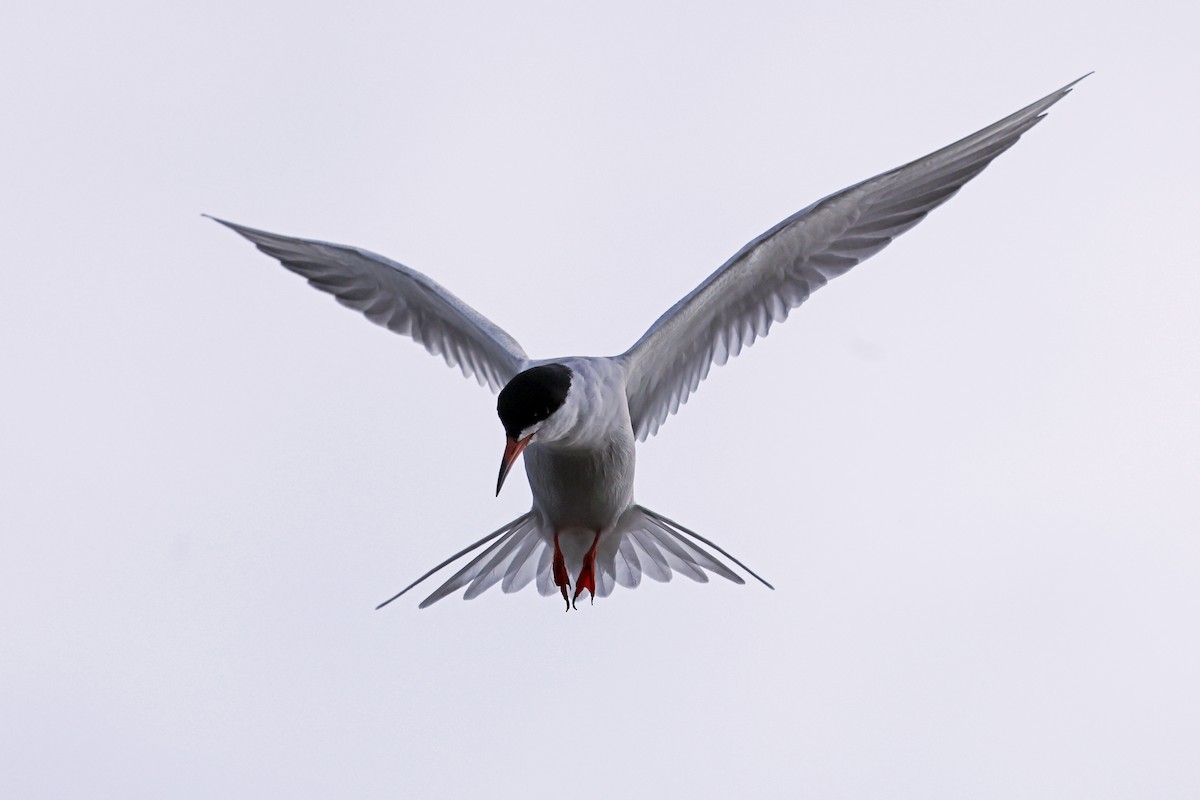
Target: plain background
{"points": [[969, 466]]}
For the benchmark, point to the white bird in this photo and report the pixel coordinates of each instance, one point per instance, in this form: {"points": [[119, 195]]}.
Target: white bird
{"points": [[577, 419]]}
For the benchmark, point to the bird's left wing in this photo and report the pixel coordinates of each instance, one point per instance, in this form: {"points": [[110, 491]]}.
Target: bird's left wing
{"points": [[777, 272], [400, 299]]}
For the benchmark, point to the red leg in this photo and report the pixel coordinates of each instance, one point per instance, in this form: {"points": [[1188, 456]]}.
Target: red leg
{"points": [[587, 574], [561, 579]]}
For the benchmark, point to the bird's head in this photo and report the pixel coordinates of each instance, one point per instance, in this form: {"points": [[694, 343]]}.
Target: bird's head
{"points": [[528, 406]]}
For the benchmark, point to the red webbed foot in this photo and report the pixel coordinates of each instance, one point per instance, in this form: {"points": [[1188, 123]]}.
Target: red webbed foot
{"points": [[561, 579], [587, 574]]}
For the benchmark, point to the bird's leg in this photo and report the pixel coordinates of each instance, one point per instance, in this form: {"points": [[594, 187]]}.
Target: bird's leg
{"points": [[587, 574], [561, 579]]}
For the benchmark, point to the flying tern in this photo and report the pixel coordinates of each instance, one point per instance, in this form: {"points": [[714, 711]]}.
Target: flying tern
{"points": [[577, 419]]}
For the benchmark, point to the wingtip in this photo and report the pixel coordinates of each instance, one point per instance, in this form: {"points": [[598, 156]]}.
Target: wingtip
{"points": [[1071, 85], [220, 221], [241, 230]]}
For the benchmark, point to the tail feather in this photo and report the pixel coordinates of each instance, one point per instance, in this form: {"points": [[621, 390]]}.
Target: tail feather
{"points": [[685, 531], [545, 578], [605, 581], [524, 564], [678, 557], [489, 572], [701, 557], [477, 565], [517, 543], [626, 565], [641, 542], [498, 532], [654, 563]]}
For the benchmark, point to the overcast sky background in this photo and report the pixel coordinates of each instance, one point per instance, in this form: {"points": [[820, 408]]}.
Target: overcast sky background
{"points": [[969, 467]]}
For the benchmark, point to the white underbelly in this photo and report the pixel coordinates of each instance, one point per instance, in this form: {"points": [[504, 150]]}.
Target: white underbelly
{"points": [[581, 488]]}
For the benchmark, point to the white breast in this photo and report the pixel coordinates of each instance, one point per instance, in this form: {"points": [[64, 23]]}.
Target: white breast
{"points": [[581, 464]]}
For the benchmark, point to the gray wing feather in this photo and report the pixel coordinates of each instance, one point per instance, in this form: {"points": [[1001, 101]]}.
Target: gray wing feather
{"points": [[777, 271], [400, 299]]}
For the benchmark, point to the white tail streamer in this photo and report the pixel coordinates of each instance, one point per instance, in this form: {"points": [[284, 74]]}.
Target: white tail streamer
{"points": [[641, 543]]}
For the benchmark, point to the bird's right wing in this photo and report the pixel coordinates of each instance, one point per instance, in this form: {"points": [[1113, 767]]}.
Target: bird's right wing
{"points": [[777, 272], [400, 299]]}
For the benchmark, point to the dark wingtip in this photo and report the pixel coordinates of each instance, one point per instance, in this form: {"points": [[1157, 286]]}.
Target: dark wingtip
{"points": [[1068, 87], [226, 223], [241, 230]]}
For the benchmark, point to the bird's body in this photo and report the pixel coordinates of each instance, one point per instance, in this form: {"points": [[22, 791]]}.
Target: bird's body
{"points": [[583, 478], [577, 419]]}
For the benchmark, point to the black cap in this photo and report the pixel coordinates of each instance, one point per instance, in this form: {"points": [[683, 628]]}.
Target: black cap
{"points": [[532, 396]]}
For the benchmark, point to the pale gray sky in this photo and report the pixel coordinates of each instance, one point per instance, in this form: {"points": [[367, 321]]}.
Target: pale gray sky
{"points": [[969, 467]]}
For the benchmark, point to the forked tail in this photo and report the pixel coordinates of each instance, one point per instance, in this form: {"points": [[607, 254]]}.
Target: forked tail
{"points": [[642, 542]]}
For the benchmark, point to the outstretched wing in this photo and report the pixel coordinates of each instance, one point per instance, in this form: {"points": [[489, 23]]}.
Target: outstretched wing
{"points": [[777, 272], [400, 299]]}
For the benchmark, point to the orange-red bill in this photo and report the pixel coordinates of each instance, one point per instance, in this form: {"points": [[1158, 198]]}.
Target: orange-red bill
{"points": [[511, 451]]}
